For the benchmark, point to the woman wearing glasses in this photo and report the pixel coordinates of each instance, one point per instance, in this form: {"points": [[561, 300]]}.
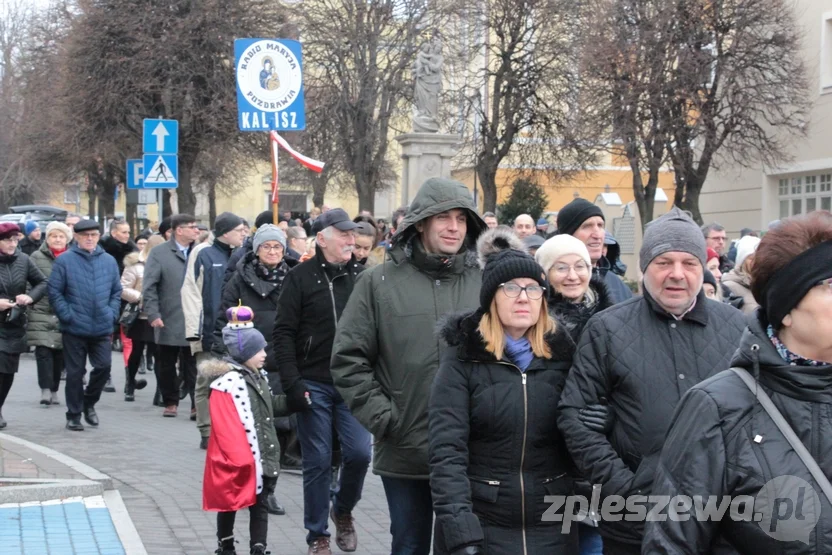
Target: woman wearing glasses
{"points": [[573, 296], [495, 450], [723, 442]]}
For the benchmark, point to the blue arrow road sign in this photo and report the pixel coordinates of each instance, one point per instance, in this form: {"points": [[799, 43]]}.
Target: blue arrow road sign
{"points": [[161, 171], [269, 85], [134, 174], [160, 136]]}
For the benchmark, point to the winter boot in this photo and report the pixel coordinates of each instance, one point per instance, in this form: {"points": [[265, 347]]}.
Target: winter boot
{"points": [[259, 549], [109, 387], [129, 388], [225, 546], [45, 394], [53, 398], [2, 421], [143, 365]]}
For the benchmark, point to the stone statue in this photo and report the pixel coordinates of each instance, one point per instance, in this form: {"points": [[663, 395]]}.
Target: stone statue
{"points": [[427, 73]]}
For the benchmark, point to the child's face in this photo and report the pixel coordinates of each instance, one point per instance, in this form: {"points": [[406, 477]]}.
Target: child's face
{"points": [[257, 361]]}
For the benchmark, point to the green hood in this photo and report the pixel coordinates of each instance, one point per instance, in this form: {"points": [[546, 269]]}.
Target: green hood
{"points": [[437, 195]]}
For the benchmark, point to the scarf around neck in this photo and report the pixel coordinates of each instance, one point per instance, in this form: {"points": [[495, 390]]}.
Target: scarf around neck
{"points": [[519, 351]]}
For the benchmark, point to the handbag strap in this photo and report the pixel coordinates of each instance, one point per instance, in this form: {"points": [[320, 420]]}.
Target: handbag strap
{"points": [[787, 431]]}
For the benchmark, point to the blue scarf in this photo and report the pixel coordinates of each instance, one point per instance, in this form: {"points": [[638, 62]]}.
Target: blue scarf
{"points": [[519, 351]]}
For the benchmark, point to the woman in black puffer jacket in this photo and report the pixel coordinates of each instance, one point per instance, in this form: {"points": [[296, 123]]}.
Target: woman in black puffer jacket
{"points": [[495, 451], [723, 443], [16, 272]]}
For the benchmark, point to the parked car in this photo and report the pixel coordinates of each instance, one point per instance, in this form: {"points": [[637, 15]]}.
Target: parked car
{"points": [[40, 213]]}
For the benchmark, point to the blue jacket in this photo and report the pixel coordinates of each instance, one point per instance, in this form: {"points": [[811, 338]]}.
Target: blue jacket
{"points": [[211, 262], [85, 292]]}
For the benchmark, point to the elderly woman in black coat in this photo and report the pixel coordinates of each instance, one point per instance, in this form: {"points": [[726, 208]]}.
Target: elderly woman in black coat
{"points": [[16, 272], [494, 448], [723, 443]]}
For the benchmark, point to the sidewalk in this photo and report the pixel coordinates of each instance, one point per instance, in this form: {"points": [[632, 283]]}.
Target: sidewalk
{"points": [[53, 505]]}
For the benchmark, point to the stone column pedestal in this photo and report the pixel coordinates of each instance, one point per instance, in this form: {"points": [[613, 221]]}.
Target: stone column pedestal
{"points": [[425, 155]]}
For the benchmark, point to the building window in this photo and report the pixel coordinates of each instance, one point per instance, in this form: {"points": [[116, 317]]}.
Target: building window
{"points": [[797, 206], [826, 203], [784, 209], [811, 204], [71, 195], [796, 185], [825, 182], [811, 184], [783, 188]]}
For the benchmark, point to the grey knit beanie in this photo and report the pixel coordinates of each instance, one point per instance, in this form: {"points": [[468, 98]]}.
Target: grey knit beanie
{"points": [[673, 232], [268, 232]]}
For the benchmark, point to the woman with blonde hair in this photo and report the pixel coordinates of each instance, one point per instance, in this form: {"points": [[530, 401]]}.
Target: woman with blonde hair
{"points": [[494, 447], [140, 332]]}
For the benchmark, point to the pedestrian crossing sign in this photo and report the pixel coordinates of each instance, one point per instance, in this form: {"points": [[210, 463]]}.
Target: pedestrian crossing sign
{"points": [[163, 172]]}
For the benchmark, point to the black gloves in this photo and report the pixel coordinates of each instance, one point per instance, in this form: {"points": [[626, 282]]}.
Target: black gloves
{"points": [[598, 418], [297, 397], [468, 550]]}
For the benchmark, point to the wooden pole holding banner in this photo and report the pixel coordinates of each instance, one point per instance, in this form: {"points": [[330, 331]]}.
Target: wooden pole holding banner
{"points": [[275, 179]]}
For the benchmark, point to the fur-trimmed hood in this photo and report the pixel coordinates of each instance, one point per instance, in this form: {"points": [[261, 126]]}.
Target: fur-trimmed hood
{"points": [[213, 368], [460, 330], [132, 259]]}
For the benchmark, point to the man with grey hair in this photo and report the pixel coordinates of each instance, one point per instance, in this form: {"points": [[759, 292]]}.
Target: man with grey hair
{"points": [[524, 226], [641, 356], [311, 301]]}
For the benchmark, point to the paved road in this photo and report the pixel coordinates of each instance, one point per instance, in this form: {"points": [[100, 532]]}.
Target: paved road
{"points": [[157, 466]]}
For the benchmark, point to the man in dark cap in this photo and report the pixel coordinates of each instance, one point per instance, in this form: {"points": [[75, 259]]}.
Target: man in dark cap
{"points": [[641, 356], [585, 221], [85, 292], [165, 229], [311, 301]]}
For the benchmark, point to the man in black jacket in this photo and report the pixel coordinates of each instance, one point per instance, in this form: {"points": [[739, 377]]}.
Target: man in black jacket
{"points": [[313, 297], [585, 221], [642, 355]]}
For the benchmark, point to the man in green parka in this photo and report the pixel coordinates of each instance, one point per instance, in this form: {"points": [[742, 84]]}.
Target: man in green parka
{"points": [[386, 352]]}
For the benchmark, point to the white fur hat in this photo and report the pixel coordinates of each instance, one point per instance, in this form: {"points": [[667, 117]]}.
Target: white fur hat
{"points": [[59, 226], [558, 246], [745, 248]]}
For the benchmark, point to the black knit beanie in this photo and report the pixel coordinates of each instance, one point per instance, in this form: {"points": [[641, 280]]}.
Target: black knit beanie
{"points": [[503, 257], [576, 213], [263, 218]]}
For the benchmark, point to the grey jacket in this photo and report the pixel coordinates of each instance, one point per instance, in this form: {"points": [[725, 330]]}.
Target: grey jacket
{"points": [[161, 290]]}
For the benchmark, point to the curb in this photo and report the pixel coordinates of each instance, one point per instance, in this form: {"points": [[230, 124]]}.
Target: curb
{"points": [[103, 484], [125, 528], [27, 490], [85, 470]]}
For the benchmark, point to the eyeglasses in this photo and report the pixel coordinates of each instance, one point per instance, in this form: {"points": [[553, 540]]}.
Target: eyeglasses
{"points": [[827, 282], [13, 239], [268, 248], [512, 291], [563, 270]]}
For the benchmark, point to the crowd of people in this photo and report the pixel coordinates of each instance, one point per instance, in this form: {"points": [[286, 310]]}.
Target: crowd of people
{"points": [[479, 368]]}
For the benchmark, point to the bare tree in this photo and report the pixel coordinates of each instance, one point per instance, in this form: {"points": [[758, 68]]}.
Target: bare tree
{"points": [[520, 87], [365, 49], [742, 93], [626, 88]]}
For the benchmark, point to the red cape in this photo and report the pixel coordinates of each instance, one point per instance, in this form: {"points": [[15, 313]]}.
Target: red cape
{"points": [[230, 480]]}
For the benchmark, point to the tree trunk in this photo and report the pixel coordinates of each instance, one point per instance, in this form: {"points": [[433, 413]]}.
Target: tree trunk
{"points": [[690, 202], [184, 192], [488, 183], [167, 207], [212, 204], [366, 197], [319, 189]]}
